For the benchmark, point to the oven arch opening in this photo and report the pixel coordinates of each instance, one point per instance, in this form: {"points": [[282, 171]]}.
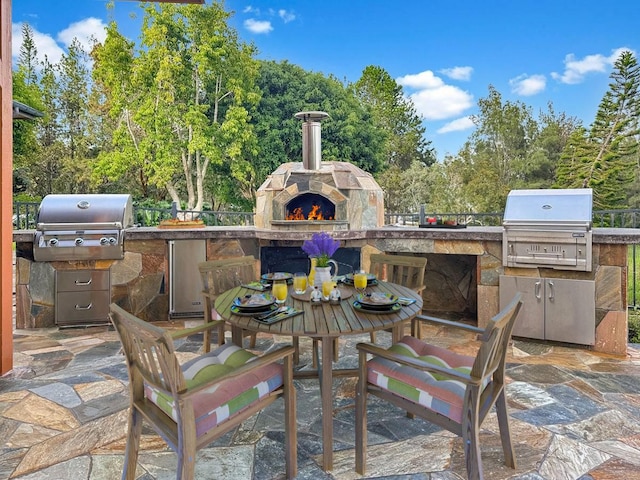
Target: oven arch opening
{"points": [[310, 206]]}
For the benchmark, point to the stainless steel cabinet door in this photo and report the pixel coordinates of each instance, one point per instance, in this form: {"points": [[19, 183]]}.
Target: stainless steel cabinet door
{"points": [[530, 321], [185, 285], [570, 314]]}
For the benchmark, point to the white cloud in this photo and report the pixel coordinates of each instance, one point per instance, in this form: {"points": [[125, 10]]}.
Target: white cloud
{"points": [[434, 99], [527, 85], [457, 125], [576, 69], [86, 31], [286, 16], [45, 44], [258, 26], [421, 80], [458, 73]]}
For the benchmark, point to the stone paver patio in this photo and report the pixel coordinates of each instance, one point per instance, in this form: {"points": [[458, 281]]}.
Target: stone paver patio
{"points": [[63, 411]]}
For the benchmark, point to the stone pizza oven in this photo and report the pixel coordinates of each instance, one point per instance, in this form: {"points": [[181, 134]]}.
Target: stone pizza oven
{"points": [[317, 195]]}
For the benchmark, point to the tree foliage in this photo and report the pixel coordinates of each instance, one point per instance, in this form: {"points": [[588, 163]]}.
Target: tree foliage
{"points": [[349, 133], [396, 117], [605, 158], [182, 101]]}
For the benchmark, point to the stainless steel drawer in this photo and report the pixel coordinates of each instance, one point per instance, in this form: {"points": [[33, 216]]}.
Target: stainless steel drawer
{"points": [[80, 307], [78, 280]]}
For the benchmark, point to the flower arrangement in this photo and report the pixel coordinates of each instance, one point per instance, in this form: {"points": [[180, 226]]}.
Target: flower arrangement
{"points": [[322, 247]]}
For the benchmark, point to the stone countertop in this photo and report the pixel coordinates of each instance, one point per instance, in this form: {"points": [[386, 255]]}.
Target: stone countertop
{"points": [[627, 236]]}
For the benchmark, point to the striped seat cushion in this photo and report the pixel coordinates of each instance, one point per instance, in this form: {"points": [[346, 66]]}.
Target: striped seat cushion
{"points": [[433, 391], [221, 401]]}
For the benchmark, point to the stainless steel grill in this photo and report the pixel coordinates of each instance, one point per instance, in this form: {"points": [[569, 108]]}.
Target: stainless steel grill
{"points": [[82, 227], [548, 228]]}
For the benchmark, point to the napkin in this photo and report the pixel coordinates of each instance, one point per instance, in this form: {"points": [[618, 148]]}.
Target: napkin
{"points": [[276, 317]]}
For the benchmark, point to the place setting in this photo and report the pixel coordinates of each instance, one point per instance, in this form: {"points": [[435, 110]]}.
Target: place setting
{"points": [[377, 302], [266, 308]]}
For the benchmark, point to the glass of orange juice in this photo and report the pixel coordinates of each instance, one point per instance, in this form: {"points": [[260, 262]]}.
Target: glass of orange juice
{"points": [[327, 287], [360, 281], [300, 282], [279, 290]]}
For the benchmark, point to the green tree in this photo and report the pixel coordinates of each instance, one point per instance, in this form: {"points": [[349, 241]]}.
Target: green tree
{"points": [[348, 135], [73, 103], [187, 108], [396, 117], [606, 157], [25, 90]]}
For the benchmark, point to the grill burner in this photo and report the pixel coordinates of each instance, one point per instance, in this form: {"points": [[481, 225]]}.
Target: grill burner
{"points": [[548, 228], [82, 227], [309, 206]]}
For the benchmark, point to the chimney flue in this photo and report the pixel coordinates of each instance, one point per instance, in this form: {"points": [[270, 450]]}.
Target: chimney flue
{"points": [[311, 143]]}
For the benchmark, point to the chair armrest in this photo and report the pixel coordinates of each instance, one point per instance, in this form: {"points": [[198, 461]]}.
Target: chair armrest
{"points": [[260, 361], [417, 364], [185, 332], [448, 323]]}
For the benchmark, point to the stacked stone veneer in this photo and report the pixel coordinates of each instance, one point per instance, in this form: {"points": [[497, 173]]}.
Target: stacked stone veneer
{"points": [[358, 199], [462, 274]]}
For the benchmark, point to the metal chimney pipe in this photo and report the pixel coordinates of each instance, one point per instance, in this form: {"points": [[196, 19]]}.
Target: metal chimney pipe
{"points": [[311, 138]]}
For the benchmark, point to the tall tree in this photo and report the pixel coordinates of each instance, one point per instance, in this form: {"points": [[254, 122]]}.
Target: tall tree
{"points": [[606, 157], [349, 134], [396, 117], [27, 91], [187, 109]]}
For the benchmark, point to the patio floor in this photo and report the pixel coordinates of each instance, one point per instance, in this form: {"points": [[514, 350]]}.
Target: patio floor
{"points": [[63, 410]]}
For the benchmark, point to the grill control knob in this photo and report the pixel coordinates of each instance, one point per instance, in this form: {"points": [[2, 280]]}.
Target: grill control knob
{"points": [[104, 241], [79, 241], [112, 240], [53, 242]]}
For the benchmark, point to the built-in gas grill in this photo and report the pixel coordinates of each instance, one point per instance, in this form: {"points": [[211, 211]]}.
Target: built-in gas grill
{"points": [[82, 227], [74, 231], [548, 228]]}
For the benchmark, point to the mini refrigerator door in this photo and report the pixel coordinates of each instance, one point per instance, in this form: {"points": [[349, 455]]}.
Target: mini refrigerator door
{"points": [[185, 285]]}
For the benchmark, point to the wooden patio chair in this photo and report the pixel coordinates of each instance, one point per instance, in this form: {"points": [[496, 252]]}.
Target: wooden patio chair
{"points": [[404, 270], [191, 405], [219, 276], [454, 391]]}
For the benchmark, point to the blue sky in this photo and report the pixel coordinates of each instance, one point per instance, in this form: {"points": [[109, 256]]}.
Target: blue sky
{"points": [[444, 53]]}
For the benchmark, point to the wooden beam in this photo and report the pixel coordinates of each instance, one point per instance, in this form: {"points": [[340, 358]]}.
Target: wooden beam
{"points": [[6, 191]]}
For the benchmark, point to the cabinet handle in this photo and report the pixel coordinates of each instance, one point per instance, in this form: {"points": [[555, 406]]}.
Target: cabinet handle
{"points": [[88, 307], [537, 290], [78, 282], [552, 292]]}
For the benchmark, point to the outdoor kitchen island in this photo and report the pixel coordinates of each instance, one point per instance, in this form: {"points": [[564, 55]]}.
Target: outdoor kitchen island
{"points": [[463, 273]]}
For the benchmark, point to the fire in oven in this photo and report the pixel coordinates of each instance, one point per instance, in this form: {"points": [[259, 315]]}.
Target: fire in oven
{"points": [[310, 206]]}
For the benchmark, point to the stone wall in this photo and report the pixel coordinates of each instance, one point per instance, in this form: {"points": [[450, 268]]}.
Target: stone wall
{"points": [[462, 276]]}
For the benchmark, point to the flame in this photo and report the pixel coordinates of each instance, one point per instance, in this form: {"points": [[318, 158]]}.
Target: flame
{"points": [[314, 214]]}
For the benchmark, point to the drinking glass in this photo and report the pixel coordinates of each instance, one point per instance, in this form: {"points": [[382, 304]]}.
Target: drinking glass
{"points": [[279, 290], [327, 287], [360, 281], [300, 282]]}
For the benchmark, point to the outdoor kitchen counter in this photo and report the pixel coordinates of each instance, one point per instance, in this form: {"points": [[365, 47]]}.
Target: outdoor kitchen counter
{"points": [[626, 236]]}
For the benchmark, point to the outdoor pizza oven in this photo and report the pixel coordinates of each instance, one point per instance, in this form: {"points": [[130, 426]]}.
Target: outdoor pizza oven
{"points": [[82, 227], [317, 195], [548, 228]]}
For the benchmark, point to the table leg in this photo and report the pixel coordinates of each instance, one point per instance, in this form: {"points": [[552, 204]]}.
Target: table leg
{"points": [[236, 336], [326, 393]]}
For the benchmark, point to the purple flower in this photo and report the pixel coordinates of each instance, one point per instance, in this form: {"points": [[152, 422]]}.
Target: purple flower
{"points": [[322, 247]]}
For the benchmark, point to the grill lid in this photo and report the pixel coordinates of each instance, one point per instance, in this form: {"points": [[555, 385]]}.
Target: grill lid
{"points": [[85, 211], [82, 227], [549, 207]]}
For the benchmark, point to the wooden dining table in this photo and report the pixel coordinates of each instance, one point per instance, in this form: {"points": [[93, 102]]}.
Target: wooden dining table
{"points": [[326, 322]]}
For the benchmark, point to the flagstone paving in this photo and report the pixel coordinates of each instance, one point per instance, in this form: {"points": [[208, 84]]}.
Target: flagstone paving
{"points": [[574, 414]]}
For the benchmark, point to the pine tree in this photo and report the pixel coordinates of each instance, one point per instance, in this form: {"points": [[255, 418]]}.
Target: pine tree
{"points": [[606, 158]]}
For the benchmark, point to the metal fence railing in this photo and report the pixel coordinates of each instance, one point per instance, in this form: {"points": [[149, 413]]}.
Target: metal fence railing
{"points": [[25, 214]]}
